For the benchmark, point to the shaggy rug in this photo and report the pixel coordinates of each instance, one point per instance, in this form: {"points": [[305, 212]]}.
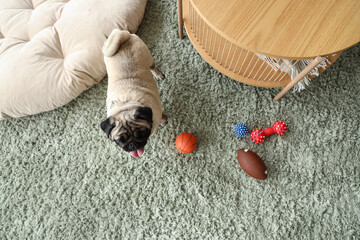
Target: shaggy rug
{"points": [[61, 178]]}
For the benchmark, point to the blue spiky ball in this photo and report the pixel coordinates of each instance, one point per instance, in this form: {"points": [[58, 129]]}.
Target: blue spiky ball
{"points": [[241, 130]]}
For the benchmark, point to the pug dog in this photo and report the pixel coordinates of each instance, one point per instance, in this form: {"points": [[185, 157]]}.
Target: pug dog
{"points": [[134, 109]]}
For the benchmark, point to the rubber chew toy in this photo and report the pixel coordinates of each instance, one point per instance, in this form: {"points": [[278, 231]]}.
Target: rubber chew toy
{"points": [[252, 164], [241, 130], [186, 143], [258, 135]]}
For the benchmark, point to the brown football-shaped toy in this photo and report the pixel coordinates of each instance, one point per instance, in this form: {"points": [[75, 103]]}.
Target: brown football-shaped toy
{"points": [[252, 164]]}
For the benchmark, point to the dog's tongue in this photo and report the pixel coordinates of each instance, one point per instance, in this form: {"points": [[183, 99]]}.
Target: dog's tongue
{"points": [[137, 153]]}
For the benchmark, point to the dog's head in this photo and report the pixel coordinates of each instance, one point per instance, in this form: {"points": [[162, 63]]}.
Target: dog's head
{"points": [[130, 129]]}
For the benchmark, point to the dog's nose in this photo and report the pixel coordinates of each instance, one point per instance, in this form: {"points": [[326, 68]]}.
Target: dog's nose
{"points": [[132, 146]]}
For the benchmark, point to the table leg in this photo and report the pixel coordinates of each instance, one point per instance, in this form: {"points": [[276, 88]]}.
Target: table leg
{"points": [[180, 18], [300, 76]]}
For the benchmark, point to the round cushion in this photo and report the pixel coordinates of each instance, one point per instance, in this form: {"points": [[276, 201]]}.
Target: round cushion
{"points": [[50, 50]]}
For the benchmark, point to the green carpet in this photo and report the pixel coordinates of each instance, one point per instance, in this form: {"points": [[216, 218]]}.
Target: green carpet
{"points": [[61, 178]]}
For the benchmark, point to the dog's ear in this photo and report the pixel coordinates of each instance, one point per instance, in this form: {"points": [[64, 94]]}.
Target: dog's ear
{"points": [[144, 113], [107, 125]]}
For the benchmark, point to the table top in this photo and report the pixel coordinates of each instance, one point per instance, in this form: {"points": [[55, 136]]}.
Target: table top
{"points": [[285, 28]]}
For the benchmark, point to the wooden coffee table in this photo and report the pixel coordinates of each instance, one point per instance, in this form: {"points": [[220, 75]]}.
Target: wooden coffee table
{"points": [[234, 36]]}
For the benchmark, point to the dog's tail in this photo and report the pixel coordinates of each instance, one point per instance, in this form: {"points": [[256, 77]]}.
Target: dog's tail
{"points": [[115, 40]]}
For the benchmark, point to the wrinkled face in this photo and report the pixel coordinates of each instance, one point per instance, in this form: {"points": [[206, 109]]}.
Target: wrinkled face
{"points": [[129, 129]]}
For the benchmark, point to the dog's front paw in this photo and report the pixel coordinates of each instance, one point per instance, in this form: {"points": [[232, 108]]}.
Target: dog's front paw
{"points": [[160, 76], [163, 121], [156, 73]]}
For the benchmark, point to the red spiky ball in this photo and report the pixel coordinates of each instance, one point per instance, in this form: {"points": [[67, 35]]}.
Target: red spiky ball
{"points": [[280, 127], [257, 135]]}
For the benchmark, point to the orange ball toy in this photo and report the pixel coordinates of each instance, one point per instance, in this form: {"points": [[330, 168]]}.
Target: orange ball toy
{"points": [[186, 143]]}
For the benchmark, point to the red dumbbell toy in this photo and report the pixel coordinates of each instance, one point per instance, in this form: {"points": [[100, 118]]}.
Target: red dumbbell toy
{"points": [[258, 135]]}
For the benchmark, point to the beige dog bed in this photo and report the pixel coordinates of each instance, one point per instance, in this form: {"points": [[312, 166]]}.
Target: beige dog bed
{"points": [[50, 50]]}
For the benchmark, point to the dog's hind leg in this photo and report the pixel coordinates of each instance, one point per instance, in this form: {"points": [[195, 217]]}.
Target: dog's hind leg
{"points": [[156, 73]]}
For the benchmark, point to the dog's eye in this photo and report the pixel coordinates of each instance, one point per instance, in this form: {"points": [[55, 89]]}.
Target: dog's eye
{"points": [[138, 133], [141, 133], [123, 138]]}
